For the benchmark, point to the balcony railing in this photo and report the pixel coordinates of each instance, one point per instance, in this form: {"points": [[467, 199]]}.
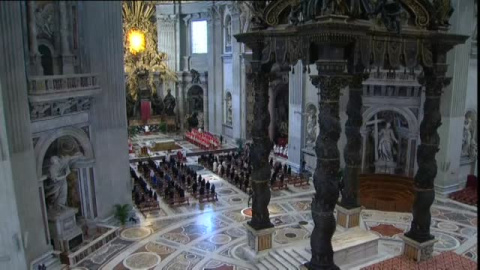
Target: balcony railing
{"points": [[61, 83]]}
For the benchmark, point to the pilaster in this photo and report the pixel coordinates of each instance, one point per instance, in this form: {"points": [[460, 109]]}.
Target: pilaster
{"points": [[104, 42], [30, 232], [453, 102]]}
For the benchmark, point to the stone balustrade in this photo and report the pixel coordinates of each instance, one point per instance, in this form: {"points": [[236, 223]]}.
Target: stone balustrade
{"points": [[39, 85]]}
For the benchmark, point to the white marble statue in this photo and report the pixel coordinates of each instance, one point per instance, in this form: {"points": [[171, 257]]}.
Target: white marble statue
{"points": [[469, 144], [386, 143], [311, 126], [467, 136], [58, 171]]}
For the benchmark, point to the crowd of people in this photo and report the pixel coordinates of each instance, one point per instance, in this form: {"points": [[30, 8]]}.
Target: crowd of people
{"points": [[205, 140], [172, 179], [233, 166]]}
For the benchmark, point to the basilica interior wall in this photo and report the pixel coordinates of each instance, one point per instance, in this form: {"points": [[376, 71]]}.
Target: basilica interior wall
{"points": [[30, 228]]}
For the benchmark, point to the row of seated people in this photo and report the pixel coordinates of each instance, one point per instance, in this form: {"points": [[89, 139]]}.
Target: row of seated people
{"points": [[144, 198], [164, 177], [181, 178], [204, 140], [232, 166]]}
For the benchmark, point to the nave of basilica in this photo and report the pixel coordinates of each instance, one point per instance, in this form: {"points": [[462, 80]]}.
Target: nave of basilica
{"points": [[287, 134]]}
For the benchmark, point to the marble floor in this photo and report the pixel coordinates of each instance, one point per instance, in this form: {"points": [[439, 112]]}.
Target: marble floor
{"points": [[211, 235]]}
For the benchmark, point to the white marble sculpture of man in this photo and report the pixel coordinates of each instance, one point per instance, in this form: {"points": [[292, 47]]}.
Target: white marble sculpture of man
{"points": [[311, 127], [386, 142], [467, 136], [58, 172]]}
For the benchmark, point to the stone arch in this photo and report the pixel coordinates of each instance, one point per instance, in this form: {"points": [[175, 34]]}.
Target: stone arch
{"points": [[48, 138], [409, 116]]}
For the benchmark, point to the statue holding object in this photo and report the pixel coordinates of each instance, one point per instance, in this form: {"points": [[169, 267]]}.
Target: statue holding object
{"points": [[169, 103], [57, 191]]}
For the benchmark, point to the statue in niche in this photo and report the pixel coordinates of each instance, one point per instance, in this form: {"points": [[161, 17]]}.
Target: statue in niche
{"points": [[130, 105], [386, 142], [57, 190], [195, 76], [157, 104], [169, 102], [193, 121], [228, 33], [311, 125], [469, 145], [229, 109], [390, 12], [200, 120]]}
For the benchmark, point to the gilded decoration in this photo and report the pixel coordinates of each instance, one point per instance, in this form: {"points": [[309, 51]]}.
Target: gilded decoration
{"points": [[139, 17], [429, 14], [272, 12]]}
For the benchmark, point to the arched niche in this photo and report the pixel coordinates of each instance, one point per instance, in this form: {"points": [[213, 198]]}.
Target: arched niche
{"points": [[405, 130], [469, 136], [227, 34], [46, 59], [228, 108], [311, 126], [195, 99], [47, 139]]}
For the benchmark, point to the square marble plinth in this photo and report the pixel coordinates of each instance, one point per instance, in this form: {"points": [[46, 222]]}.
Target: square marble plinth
{"points": [[417, 251], [258, 242], [354, 245], [348, 218]]}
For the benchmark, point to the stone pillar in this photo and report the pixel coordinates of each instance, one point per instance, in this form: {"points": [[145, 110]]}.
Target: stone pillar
{"points": [[271, 110], [67, 57], [455, 97], [329, 82], [419, 237], [35, 61], [261, 143], [28, 237], [103, 38], [12, 254], [85, 188], [352, 152], [205, 106], [237, 93], [181, 104]]}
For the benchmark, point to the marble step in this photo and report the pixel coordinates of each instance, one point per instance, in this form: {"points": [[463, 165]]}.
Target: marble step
{"points": [[273, 259], [267, 264], [260, 266], [295, 257], [284, 259]]}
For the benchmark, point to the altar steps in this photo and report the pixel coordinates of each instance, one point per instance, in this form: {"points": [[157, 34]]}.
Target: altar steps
{"points": [[352, 247]]}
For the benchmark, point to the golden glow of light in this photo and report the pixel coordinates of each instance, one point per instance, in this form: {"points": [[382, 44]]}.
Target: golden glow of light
{"points": [[136, 41]]}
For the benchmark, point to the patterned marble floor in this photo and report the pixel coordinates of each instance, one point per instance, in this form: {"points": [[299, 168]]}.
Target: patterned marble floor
{"points": [[211, 236]]}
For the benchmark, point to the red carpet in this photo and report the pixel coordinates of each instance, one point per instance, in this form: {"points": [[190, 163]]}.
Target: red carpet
{"points": [[444, 261], [468, 195]]}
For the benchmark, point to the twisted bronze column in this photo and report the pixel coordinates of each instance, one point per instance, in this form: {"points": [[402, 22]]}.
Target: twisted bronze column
{"points": [[262, 145], [329, 82], [434, 81], [352, 151]]}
